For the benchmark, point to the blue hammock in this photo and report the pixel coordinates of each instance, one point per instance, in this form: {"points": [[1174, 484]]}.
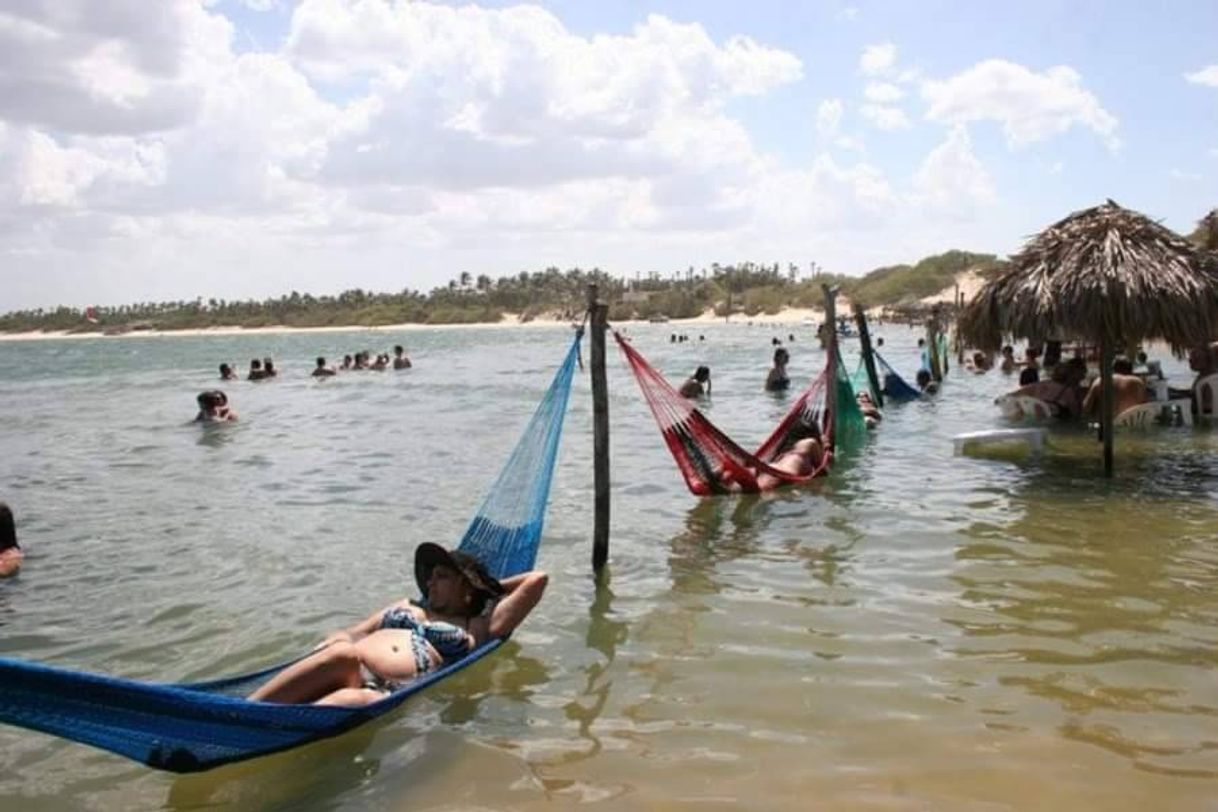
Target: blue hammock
{"points": [[894, 385], [194, 727]]}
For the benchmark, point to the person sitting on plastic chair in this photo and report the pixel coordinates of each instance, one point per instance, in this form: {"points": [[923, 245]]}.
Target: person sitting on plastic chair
{"points": [[1128, 390]]}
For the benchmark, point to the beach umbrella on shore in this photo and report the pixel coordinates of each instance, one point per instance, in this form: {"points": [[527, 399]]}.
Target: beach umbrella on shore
{"points": [[1106, 275]]}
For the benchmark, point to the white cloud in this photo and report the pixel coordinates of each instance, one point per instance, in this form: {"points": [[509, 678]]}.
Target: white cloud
{"points": [[1206, 76], [847, 13], [375, 126], [1181, 175], [885, 118], [883, 93], [878, 59], [1057, 168], [1030, 106], [157, 157], [952, 178], [829, 116], [827, 195], [122, 67]]}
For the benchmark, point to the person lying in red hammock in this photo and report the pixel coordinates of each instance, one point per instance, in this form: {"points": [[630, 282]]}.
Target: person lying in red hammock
{"points": [[801, 456]]}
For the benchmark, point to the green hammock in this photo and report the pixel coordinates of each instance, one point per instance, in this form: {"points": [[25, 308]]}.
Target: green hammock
{"points": [[849, 426]]}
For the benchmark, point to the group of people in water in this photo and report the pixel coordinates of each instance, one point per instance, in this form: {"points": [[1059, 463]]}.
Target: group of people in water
{"points": [[1070, 397], [213, 403]]}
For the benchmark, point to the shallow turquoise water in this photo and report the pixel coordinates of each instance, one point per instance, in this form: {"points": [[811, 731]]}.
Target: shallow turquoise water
{"points": [[916, 631]]}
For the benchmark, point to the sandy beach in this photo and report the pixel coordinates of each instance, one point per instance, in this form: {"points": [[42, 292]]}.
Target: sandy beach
{"points": [[791, 315]]}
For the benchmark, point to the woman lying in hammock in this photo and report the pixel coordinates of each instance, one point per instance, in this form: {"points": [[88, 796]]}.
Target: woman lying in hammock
{"points": [[462, 608], [800, 456]]}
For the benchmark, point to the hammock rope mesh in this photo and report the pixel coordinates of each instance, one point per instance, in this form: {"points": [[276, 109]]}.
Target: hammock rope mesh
{"points": [[711, 462], [198, 726]]}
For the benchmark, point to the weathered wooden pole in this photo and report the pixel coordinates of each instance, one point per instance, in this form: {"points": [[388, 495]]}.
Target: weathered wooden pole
{"points": [[877, 392], [600, 431], [831, 346], [959, 338], [1107, 404]]}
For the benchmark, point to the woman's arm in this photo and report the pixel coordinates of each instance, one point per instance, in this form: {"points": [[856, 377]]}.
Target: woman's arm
{"points": [[523, 593], [362, 629]]}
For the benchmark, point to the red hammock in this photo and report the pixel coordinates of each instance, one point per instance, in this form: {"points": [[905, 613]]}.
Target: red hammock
{"points": [[709, 460]]}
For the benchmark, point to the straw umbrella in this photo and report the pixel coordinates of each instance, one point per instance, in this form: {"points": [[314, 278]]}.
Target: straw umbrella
{"points": [[1106, 275], [1206, 234]]}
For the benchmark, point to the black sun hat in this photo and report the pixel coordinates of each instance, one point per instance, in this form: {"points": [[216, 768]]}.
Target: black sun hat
{"points": [[429, 555]]}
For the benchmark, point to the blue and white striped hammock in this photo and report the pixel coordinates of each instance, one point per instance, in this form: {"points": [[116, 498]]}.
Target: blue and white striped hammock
{"points": [[198, 726]]}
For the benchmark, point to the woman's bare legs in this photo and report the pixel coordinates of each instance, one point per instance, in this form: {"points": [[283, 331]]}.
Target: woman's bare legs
{"points": [[352, 697], [317, 676]]}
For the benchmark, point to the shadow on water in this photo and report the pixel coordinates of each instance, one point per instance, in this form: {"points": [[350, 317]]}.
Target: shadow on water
{"points": [[216, 435], [605, 634], [331, 771], [716, 530], [508, 675], [1095, 596], [280, 781]]}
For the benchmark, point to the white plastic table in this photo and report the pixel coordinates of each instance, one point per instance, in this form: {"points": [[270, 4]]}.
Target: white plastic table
{"points": [[1034, 437]]}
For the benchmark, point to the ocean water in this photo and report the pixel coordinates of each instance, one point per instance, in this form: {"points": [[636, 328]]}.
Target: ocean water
{"points": [[916, 631]]}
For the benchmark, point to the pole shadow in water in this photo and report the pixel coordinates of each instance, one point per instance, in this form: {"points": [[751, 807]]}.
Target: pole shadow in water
{"points": [[604, 635]]}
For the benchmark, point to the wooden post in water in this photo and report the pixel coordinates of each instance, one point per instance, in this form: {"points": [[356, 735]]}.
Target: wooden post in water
{"points": [[831, 347], [877, 391], [600, 431], [959, 338], [1107, 404]]}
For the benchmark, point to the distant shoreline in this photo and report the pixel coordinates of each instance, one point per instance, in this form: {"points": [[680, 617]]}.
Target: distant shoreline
{"points": [[968, 283], [788, 315]]}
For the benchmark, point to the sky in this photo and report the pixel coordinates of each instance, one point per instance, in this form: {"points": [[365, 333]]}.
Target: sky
{"points": [[239, 149]]}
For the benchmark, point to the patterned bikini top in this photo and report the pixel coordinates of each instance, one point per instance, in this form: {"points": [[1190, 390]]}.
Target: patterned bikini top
{"points": [[449, 640]]}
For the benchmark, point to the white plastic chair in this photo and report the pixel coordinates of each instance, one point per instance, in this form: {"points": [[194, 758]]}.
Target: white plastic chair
{"points": [[1145, 415], [1019, 407], [1208, 384]]}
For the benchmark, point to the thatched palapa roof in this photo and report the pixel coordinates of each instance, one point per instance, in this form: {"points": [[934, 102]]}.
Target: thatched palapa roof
{"points": [[1105, 274], [1206, 234]]}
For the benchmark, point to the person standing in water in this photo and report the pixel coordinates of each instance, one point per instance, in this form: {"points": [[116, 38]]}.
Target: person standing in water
{"points": [[11, 553], [400, 360], [698, 384], [213, 408], [321, 370], [777, 379]]}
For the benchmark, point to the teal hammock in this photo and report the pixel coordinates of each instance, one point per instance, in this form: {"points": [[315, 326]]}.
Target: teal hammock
{"points": [[197, 726]]}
